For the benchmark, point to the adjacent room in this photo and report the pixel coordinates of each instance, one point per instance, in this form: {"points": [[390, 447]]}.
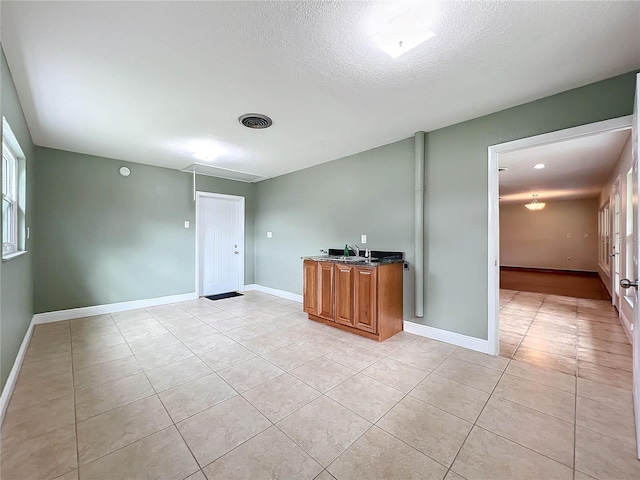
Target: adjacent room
{"points": [[263, 240]]}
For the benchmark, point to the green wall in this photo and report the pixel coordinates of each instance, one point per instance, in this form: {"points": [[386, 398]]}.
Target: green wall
{"points": [[456, 211], [104, 238], [331, 204], [16, 277]]}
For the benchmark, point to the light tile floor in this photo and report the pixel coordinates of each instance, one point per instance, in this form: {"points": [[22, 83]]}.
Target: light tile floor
{"points": [[248, 388]]}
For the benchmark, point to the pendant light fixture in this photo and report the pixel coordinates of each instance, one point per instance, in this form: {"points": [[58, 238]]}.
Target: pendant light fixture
{"points": [[535, 204]]}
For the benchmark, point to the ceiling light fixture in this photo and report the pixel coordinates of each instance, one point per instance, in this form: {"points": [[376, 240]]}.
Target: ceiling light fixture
{"points": [[535, 204], [539, 166], [405, 32]]}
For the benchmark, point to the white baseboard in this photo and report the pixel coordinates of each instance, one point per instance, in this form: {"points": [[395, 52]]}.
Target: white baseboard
{"points": [[274, 291], [626, 324], [250, 287], [72, 313], [453, 338], [7, 391]]}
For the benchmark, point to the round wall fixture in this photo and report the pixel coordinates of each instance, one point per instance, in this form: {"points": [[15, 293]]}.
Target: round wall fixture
{"points": [[257, 121], [124, 171]]}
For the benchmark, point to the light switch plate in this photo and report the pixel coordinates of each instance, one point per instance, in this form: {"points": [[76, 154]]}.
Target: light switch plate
{"points": [[269, 234], [186, 224], [363, 239]]}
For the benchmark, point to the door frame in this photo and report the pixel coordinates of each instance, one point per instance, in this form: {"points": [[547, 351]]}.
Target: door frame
{"points": [[201, 195], [494, 151], [616, 190]]}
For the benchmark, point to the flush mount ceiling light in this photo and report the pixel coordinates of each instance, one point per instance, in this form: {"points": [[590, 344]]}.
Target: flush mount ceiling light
{"points": [[257, 121], [535, 205], [405, 32], [539, 166], [209, 152]]}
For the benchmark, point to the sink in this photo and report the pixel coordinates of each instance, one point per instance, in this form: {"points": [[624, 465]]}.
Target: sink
{"points": [[350, 259]]}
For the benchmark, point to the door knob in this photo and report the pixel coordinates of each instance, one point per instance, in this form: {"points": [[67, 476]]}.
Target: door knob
{"points": [[626, 283]]}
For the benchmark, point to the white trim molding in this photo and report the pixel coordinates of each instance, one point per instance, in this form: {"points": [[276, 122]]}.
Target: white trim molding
{"points": [[12, 379], [72, 313], [453, 338], [274, 291], [627, 325], [494, 151]]}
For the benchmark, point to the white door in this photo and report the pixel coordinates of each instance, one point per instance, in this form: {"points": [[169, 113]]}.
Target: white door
{"points": [[636, 255], [616, 242], [220, 243]]}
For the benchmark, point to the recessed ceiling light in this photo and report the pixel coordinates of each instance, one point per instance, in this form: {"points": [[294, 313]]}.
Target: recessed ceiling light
{"points": [[405, 32], [539, 166]]}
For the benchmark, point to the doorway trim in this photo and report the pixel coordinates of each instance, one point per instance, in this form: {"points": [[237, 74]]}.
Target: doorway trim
{"points": [[199, 196], [494, 151]]}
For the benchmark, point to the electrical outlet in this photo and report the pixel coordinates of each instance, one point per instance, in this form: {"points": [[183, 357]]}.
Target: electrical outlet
{"points": [[269, 234], [363, 239], [568, 258], [186, 224]]}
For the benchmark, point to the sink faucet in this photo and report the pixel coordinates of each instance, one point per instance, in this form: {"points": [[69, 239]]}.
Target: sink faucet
{"points": [[355, 248]]}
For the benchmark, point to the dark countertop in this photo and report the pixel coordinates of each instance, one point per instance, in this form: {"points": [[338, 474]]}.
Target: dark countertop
{"points": [[373, 262]]}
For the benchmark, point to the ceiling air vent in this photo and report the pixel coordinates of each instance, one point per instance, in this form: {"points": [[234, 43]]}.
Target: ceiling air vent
{"points": [[257, 121]]}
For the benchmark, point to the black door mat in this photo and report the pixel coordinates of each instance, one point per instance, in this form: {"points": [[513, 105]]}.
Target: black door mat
{"points": [[220, 296]]}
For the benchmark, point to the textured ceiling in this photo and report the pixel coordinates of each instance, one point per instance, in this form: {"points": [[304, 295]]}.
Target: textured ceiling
{"points": [[155, 82], [576, 168]]}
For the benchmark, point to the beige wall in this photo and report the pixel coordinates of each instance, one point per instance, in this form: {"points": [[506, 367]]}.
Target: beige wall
{"points": [[547, 238]]}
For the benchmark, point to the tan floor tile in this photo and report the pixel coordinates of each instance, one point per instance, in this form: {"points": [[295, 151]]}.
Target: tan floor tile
{"points": [[107, 396], [549, 346], [47, 456], [86, 358], [194, 331], [226, 357], [35, 419], [550, 378], [37, 390], [451, 475], [482, 359], [411, 418], [209, 343], [174, 374], [106, 372], [72, 475], [323, 344], [195, 396], [161, 455], [280, 396], [324, 429], [592, 343], [354, 357], [322, 374], [453, 397], [187, 321], [93, 339], [109, 431], [585, 327], [551, 401], [223, 321], [263, 344], [93, 322], [197, 476], [325, 476], [541, 433], [606, 359], [507, 350], [604, 457], [290, 357], [469, 374], [546, 360], [419, 357], [248, 332], [248, 461], [396, 374], [432, 345], [510, 337], [378, 455], [617, 398], [153, 343], [365, 396], [249, 374], [486, 455], [602, 418], [213, 432], [553, 334], [46, 368], [143, 330], [610, 376], [163, 356]]}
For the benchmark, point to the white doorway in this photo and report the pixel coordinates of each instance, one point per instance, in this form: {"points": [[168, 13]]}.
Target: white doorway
{"points": [[494, 151], [219, 243]]}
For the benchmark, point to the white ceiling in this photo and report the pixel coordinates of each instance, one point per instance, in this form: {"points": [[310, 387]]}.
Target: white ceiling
{"points": [[154, 82], [576, 168]]}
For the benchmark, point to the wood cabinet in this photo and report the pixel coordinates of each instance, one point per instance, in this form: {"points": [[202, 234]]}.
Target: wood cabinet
{"points": [[366, 300]]}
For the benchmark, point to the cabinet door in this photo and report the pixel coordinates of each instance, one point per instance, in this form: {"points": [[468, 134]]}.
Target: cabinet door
{"points": [[325, 290], [365, 292], [310, 287], [344, 294]]}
